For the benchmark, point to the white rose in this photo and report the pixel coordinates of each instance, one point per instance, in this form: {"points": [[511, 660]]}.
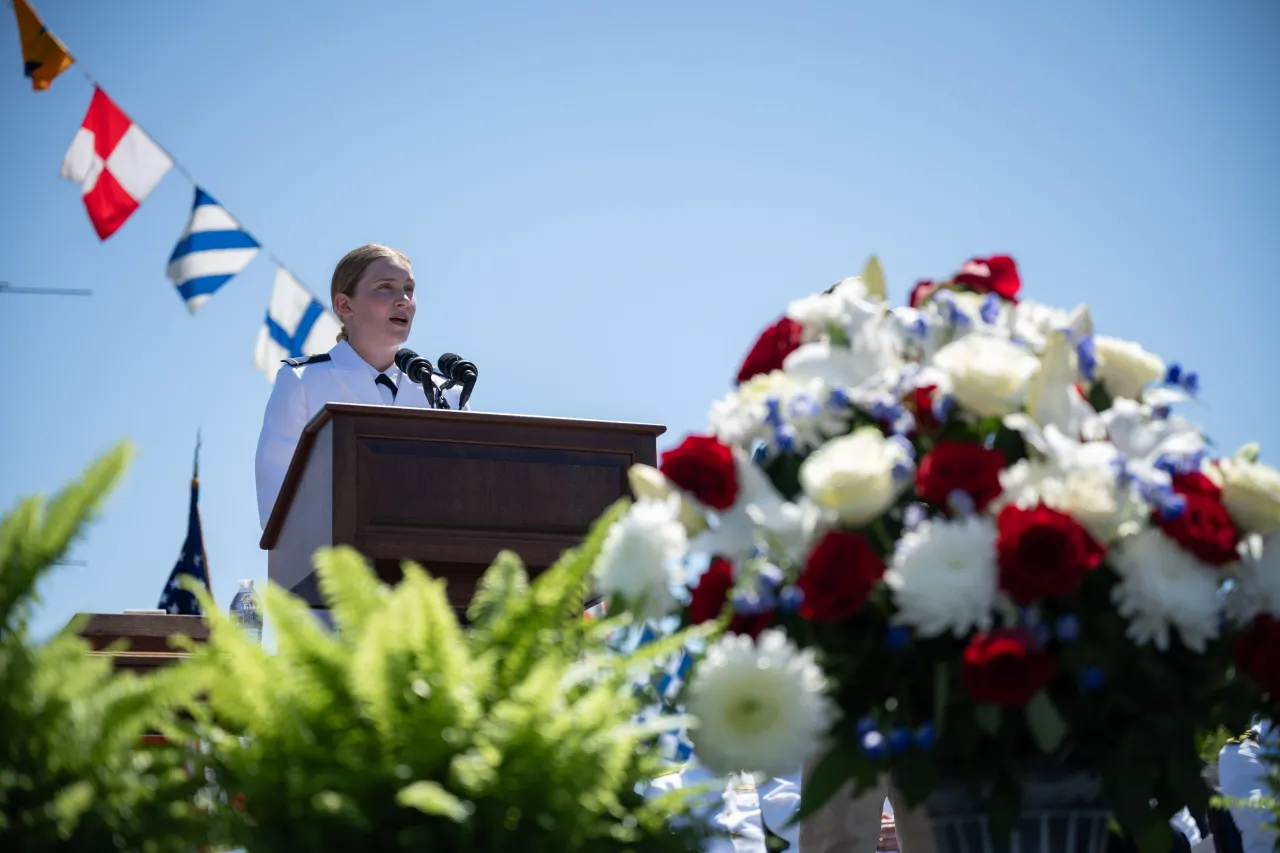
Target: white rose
{"points": [[1126, 367], [856, 476], [989, 375], [1251, 494]]}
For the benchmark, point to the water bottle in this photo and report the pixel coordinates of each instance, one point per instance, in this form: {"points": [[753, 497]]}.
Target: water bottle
{"points": [[246, 611]]}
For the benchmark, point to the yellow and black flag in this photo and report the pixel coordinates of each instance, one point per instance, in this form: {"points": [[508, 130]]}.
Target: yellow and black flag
{"points": [[43, 56]]}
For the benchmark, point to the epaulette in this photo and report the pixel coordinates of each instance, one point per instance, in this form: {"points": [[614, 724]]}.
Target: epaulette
{"points": [[311, 359], [1250, 735]]}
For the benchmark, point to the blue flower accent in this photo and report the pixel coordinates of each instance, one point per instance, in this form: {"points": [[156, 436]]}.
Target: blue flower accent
{"points": [[1172, 506], [942, 407], [753, 602], [896, 637], [1086, 358], [903, 471], [839, 398], [899, 739], [886, 411], [770, 577], [805, 405], [905, 445], [905, 424], [1173, 375], [785, 437], [773, 412], [1067, 628], [865, 726], [990, 309], [920, 328], [960, 503], [791, 599], [1160, 413], [914, 515], [924, 736], [1091, 679], [1191, 382], [874, 745]]}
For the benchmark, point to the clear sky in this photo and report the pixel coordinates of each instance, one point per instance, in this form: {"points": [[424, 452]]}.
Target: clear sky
{"points": [[604, 202]]}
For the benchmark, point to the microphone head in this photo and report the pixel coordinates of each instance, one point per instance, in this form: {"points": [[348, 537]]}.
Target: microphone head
{"points": [[456, 367], [411, 364]]}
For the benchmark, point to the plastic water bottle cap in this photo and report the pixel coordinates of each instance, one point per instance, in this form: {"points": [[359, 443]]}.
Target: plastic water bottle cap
{"points": [[248, 583]]}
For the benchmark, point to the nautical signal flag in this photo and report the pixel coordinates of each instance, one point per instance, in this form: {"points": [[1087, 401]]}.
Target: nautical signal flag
{"points": [[115, 163], [43, 56], [212, 250], [296, 325]]}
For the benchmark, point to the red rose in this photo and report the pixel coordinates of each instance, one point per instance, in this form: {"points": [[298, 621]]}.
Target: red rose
{"points": [[838, 575], [1043, 553], [997, 274], [712, 593], [771, 348], [704, 467], [921, 405], [1204, 528], [922, 291], [1006, 667], [1257, 653], [960, 466]]}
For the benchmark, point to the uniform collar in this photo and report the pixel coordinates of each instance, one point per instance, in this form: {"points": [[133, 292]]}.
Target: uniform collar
{"points": [[346, 358]]}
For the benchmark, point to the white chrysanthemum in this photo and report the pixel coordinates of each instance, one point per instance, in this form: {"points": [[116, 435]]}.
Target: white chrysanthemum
{"points": [[847, 305], [1163, 586], [1257, 578], [1032, 322], [803, 408], [641, 557], [944, 577], [761, 706]]}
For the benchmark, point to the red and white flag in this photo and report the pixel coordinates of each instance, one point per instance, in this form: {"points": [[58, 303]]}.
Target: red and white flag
{"points": [[114, 162]]}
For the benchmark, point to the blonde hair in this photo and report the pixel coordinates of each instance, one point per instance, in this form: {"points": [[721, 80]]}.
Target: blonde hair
{"points": [[346, 275]]}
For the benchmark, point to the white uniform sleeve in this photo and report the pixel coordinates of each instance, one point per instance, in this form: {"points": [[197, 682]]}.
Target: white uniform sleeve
{"points": [[282, 424], [1243, 776]]}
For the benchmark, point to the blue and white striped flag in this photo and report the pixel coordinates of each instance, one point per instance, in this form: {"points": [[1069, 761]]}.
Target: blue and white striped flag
{"points": [[212, 250], [297, 324]]}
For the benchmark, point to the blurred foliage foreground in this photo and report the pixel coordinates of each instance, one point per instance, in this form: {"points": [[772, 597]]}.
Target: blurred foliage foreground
{"points": [[398, 730]]}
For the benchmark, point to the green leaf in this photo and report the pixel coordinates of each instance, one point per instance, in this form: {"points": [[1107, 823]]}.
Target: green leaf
{"points": [[431, 798], [1155, 837], [988, 717], [828, 776], [1006, 804], [784, 472], [873, 278], [503, 581], [1099, 397], [1046, 723], [773, 842], [1247, 453], [1010, 443], [941, 691]]}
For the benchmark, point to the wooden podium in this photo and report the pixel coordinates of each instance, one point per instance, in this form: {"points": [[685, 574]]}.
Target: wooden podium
{"points": [[447, 489]]}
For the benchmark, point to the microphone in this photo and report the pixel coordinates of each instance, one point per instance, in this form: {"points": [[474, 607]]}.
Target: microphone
{"points": [[419, 370], [460, 372]]}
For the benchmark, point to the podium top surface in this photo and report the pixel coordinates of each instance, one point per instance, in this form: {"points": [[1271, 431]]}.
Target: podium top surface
{"points": [[464, 427]]}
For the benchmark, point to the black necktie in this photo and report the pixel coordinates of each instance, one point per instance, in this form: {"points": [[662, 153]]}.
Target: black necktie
{"points": [[384, 379]]}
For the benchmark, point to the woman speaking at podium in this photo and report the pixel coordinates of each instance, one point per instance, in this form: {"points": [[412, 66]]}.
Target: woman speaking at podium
{"points": [[372, 293]]}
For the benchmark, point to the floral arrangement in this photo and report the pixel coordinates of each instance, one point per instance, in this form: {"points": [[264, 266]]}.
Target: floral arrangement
{"points": [[956, 540]]}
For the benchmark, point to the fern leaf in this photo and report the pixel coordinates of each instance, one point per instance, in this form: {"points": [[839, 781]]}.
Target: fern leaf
{"points": [[354, 593]]}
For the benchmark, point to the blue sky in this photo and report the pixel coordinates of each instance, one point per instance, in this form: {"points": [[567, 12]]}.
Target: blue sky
{"points": [[604, 202]]}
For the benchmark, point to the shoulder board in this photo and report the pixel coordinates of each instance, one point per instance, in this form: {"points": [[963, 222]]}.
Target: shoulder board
{"points": [[1250, 735], [311, 359]]}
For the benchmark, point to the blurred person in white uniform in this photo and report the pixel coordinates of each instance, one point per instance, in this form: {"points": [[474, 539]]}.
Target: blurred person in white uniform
{"points": [[1242, 779], [372, 293]]}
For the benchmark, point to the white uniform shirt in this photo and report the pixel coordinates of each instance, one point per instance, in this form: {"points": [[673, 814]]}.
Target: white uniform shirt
{"points": [[302, 391]]}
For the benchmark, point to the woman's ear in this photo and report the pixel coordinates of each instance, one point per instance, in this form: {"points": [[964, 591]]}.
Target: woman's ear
{"points": [[342, 305]]}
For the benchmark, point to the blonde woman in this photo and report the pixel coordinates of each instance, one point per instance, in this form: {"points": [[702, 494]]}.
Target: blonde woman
{"points": [[372, 292]]}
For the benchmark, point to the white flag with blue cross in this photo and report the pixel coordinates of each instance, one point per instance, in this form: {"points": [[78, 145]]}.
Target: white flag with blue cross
{"points": [[212, 250], [297, 325]]}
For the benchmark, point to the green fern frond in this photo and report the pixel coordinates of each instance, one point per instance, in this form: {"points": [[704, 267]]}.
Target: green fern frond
{"points": [[354, 597]]}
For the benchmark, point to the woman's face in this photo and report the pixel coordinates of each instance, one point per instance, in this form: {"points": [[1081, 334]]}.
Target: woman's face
{"points": [[380, 312]]}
